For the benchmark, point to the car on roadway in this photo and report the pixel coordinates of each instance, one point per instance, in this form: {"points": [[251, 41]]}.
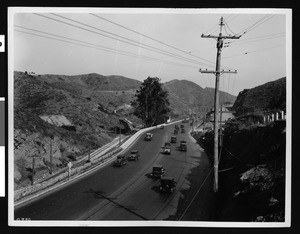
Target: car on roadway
{"points": [[158, 171], [167, 184], [183, 146], [162, 126], [120, 162], [148, 136], [134, 155], [167, 144], [182, 130], [167, 150], [173, 139], [181, 126]]}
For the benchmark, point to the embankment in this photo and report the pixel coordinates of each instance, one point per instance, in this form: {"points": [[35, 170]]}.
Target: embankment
{"points": [[251, 172]]}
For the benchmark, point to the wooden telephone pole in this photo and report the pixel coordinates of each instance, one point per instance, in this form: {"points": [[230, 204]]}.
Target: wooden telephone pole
{"points": [[217, 72]]}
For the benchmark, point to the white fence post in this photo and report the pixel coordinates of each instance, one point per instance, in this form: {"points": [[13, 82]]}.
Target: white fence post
{"points": [[282, 114]]}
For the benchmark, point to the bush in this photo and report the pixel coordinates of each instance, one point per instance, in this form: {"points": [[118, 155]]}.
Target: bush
{"points": [[72, 157]]}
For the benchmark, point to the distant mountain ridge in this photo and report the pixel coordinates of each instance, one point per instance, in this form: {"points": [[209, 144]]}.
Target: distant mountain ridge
{"points": [[187, 97], [94, 81]]}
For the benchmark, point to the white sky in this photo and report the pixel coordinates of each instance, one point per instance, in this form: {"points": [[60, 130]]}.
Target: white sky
{"points": [[181, 29]]}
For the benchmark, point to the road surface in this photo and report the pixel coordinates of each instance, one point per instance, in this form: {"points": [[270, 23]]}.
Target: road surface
{"points": [[129, 193]]}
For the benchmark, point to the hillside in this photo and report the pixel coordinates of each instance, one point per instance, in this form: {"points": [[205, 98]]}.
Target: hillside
{"points": [[252, 166], [267, 97], [187, 97], [252, 170], [79, 113], [75, 113]]}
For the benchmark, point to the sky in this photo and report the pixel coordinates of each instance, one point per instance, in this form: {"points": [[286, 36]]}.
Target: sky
{"points": [[164, 43]]}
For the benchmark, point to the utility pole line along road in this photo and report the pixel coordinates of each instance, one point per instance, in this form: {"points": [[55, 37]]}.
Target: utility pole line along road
{"points": [[217, 72]]}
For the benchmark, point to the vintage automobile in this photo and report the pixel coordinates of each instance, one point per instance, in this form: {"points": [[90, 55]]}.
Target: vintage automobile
{"points": [[120, 162], [185, 121], [167, 150], [167, 184], [183, 146], [182, 130], [148, 136], [173, 139], [158, 171], [134, 155]]}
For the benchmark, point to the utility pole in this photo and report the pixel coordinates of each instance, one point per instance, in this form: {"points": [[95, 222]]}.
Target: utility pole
{"points": [[50, 172], [89, 159], [217, 72], [119, 136], [33, 166], [221, 126]]}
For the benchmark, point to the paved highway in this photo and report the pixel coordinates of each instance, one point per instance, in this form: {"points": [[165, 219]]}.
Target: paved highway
{"points": [[129, 193]]}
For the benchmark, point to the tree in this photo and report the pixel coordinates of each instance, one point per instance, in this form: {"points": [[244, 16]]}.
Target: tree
{"points": [[151, 102]]}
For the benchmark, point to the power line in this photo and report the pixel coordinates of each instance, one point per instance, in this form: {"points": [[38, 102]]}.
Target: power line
{"points": [[252, 25], [232, 18], [253, 40], [264, 36], [129, 41], [253, 51], [136, 41], [196, 193], [233, 84], [226, 26], [256, 24], [166, 44], [151, 38], [226, 29], [95, 46], [217, 25]]}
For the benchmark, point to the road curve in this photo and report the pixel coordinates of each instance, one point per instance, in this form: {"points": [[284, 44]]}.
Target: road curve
{"points": [[128, 193]]}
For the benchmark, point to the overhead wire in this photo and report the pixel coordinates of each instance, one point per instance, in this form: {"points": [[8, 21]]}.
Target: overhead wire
{"points": [[256, 24], [139, 43], [146, 36], [233, 83], [231, 18], [227, 26], [229, 77], [196, 193], [262, 37], [251, 41], [245, 53], [99, 47], [156, 50]]}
